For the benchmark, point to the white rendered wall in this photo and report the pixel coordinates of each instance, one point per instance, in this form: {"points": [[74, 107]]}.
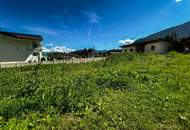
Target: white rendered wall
{"points": [[12, 49]]}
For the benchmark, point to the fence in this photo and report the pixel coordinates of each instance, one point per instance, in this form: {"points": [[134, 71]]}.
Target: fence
{"points": [[22, 64]]}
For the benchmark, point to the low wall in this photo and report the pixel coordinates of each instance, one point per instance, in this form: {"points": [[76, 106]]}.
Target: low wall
{"points": [[21, 64]]}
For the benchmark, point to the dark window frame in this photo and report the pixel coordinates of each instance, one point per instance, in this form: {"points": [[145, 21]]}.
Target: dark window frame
{"points": [[131, 50], [36, 54], [153, 48]]}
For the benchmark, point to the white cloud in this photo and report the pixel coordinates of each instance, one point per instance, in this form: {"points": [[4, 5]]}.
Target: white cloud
{"points": [[178, 1], [93, 16], [51, 48], [94, 20], [42, 30], [126, 41]]}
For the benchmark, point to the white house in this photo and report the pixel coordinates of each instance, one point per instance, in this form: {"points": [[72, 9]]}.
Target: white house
{"points": [[157, 46], [175, 38], [129, 48], [17, 47]]}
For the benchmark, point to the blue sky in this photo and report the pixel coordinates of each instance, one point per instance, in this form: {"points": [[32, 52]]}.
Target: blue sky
{"points": [[91, 23]]}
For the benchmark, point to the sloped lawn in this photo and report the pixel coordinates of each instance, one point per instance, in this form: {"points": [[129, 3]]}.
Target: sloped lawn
{"points": [[126, 91]]}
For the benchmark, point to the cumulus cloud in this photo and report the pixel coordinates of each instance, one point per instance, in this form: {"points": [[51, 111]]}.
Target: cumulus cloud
{"points": [[94, 20], [62, 49], [178, 1], [126, 41], [49, 45]]}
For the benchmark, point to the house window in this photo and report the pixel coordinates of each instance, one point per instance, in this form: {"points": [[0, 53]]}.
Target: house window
{"points": [[169, 48], [35, 54], [131, 50], [153, 48]]}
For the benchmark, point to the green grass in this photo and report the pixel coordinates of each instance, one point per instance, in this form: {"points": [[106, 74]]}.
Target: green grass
{"points": [[126, 91]]}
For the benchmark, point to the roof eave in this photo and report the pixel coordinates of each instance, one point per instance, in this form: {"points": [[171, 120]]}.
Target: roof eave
{"points": [[23, 36], [147, 42]]}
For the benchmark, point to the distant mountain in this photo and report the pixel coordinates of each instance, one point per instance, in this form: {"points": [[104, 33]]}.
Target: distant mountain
{"points": [[179, 32]]}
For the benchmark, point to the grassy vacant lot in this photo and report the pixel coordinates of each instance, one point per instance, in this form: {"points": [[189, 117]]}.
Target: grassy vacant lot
{"points": [[127, 91]]}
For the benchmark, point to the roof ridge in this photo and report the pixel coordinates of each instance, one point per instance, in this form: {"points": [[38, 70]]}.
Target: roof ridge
{"points": [[22, 35]]}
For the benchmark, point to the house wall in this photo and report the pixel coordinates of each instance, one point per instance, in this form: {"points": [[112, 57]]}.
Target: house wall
{"points": [[128, 49], [160, 47], [13, 50]]}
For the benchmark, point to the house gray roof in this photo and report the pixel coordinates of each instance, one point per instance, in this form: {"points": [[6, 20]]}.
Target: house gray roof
{"points": [[22, 36], [178, 33]]}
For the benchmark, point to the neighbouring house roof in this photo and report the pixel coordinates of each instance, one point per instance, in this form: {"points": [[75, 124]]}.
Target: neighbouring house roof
{"points": [[142, 43], [177, 33], [148, 41], [22, 36], [129, 45]]}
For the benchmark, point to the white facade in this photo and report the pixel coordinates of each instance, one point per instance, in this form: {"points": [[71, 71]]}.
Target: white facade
{"points": [[129, 49], [19, 50], [158, 47], [161, 47]]}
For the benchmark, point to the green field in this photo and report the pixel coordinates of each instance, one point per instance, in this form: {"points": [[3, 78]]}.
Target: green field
{"points": [[124, 92]]}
